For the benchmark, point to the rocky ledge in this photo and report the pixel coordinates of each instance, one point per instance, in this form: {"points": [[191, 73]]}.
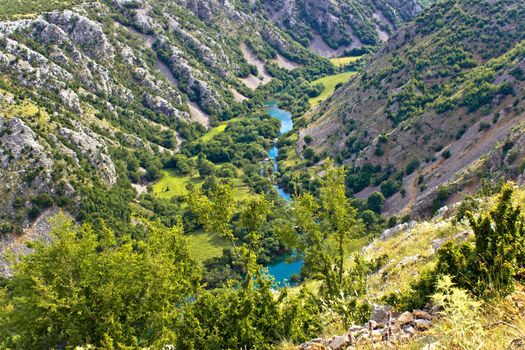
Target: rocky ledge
{"points": [[385, 329]]}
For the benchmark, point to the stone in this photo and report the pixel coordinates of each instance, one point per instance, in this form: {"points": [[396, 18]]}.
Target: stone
{"points": [[422, 325], [381, 313], [431, 346], [422, 315], [438, 243], [396, 229], [312, 346], [407, 260], [70, 100], [404, 318], [409, 330], [339, 342], [376, 335]]}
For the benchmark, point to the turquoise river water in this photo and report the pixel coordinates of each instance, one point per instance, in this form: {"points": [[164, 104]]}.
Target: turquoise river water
{"points": [[282, 270]]}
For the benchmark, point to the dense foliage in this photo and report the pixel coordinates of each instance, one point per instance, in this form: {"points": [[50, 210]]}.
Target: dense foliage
{"points": [[489, 265]]}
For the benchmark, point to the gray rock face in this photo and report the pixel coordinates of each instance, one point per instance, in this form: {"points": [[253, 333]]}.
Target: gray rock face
{"points": [[198, 90], [25, 165], [18, 141], [70, 100], [158, 104], [381, 313], [38, 231], [396, 229], [84, 32], [92, 147]]}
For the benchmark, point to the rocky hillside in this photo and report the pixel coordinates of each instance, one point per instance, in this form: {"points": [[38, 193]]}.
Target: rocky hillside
{"points": [[86, 88], [330, 27], [438, 108]]}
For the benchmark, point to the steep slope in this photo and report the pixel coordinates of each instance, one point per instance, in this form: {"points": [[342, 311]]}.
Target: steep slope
{"points": [[330, 27], [431, 106], [92, 93]]}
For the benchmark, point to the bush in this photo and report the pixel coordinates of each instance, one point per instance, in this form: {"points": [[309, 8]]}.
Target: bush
{"points": [[392, 221], [43, 200], [375, 202], [412, 166], [309, 153], [483, 126], [489, 266], [205, 167], [308, 139], [460, 325], [388, 188]]}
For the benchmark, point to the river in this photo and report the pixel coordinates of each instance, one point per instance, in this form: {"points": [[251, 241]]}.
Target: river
{"points": [[283, 269]]}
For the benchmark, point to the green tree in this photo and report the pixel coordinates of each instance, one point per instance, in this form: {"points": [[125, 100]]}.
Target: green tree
{"points": [[489, 266], [375, 202], [325, 228], [205, 167], [85, 287]]}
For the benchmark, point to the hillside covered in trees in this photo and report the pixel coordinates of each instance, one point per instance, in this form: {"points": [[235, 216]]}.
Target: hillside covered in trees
{"points": [[297, 174]]}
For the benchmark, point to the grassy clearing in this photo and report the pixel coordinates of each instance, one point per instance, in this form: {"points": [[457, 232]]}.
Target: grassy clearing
{"points": [[10, 9], [329, 84], [214, 132], [204, 246], [344, 61], [172, 184]]}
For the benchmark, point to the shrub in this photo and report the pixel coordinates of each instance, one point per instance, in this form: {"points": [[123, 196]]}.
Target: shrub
{"points": [[483, 126], [205, 167], [489, 266], [392, 221], [375, 202], [412, 166], [389, 187], [43, 200], [460, 326], [309, 153], [308, 139]]}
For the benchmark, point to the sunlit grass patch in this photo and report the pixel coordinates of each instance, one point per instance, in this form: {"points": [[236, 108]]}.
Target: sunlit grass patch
{"points": [[344, 61], [171, 184], [204, 246], [11, 9], [329, 84]]}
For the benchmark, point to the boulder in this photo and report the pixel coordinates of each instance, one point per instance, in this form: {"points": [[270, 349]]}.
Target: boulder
{"points": [[70, 100], [312, 346], [404, 318], [396, 229], [422, 325], [409, 330], [422, 315], [381, 313], [339, 342]]}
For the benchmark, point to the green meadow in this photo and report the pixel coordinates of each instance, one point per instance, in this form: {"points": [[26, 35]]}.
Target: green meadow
{"points": [[26, 8], [329, 83], [204, 246], [344, 61]]}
